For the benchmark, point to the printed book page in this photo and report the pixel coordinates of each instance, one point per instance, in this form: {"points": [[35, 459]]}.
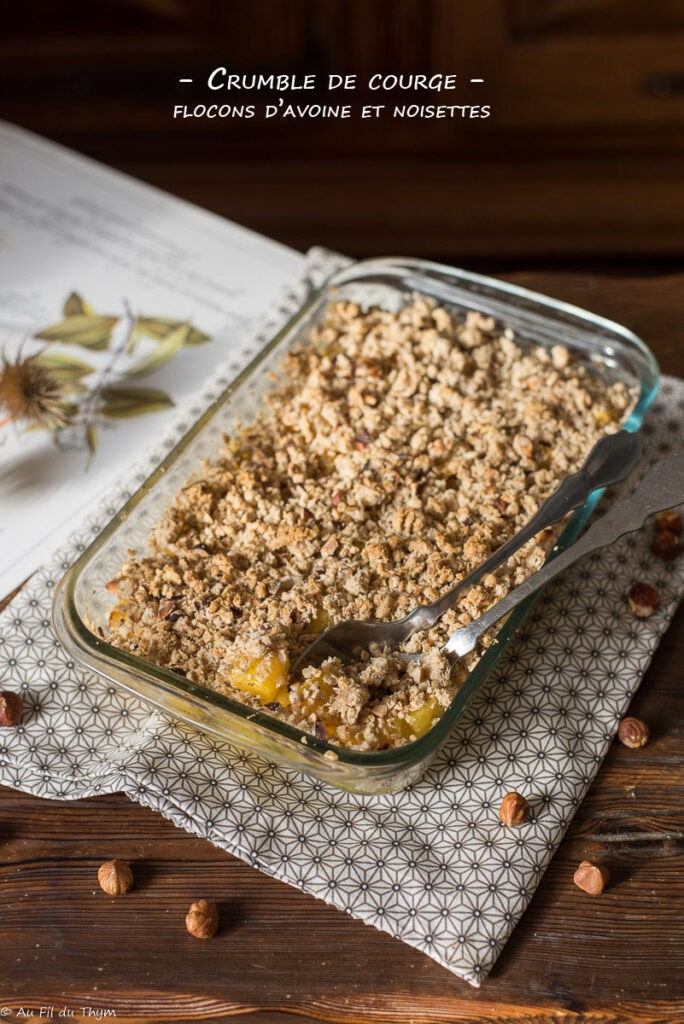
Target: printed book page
{"points": [[116, 301]]}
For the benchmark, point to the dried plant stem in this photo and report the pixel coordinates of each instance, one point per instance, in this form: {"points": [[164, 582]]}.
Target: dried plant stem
{"points": [[107, 372], [89, 408]]}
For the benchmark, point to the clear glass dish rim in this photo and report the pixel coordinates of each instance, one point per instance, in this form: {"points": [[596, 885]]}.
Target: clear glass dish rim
{"points": [[166, 681]]}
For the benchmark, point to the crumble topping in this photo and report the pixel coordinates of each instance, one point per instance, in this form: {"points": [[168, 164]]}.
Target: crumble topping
{"points": [[394, 454]]}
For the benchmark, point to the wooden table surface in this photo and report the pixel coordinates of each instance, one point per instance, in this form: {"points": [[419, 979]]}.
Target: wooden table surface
{"points": [[283, 956]]}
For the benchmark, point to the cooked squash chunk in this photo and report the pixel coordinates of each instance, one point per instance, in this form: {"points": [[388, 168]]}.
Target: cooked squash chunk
{"points": [[413, 724], [265, 678]]}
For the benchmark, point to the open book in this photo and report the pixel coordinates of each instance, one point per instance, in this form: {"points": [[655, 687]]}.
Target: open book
{"points": [[116, 301]]}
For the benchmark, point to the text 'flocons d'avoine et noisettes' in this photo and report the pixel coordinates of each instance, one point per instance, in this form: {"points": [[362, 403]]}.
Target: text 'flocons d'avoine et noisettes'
{"points": [[313, 111]]}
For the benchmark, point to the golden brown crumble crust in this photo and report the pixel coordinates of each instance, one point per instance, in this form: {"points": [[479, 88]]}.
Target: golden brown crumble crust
{"points": [[395, 453]]}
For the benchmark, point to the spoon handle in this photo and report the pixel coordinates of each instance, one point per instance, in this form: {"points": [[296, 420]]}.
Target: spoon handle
{"points": [[660, 488], [609, 461]]}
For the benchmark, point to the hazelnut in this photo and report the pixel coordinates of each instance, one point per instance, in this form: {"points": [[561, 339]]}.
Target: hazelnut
{"points": [[198, 551], [633, 733], [644, 600], [523, 446], [665, 544], [591, 878], [115, 877], [514, 809], [669, 520], [202, 919], [166, 608], [11, 708]]}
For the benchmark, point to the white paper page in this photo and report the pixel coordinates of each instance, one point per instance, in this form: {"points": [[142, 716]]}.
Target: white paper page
{"points": [[68, 224]]}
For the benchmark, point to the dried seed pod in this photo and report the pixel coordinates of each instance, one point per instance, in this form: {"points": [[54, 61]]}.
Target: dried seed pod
{"points": [[30, 393], [11, 708], [115, 877], [202, 919], [633, 733], [665, 544], [591, 878], [643, 599], [514, 809]]}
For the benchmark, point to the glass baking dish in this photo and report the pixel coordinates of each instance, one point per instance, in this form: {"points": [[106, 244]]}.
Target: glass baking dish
{"points": [[82, 604]]}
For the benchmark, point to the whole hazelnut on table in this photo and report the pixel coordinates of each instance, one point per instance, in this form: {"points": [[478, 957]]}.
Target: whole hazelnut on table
{"points": [[665, 544], [202, 919], [644, 600], [11, 708], [115, 877], [514, 809], [591, 878], [669, 520], [632, 732]]}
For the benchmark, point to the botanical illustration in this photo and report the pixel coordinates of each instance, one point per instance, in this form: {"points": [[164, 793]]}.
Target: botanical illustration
{"points": [[53, 387]]}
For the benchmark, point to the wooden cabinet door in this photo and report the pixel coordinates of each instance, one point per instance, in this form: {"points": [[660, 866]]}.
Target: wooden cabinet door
{"points": [[569, 63]]}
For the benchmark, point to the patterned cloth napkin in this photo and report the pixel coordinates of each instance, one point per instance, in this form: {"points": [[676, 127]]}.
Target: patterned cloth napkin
{"points": [[431, 865]]}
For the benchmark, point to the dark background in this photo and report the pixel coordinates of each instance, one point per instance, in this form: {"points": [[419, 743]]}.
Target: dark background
{"points": [[580, 165]]}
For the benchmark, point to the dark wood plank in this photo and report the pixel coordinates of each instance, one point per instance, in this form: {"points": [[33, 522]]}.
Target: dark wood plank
{"points": [[283, 957], [549, 203], [582, 153]]}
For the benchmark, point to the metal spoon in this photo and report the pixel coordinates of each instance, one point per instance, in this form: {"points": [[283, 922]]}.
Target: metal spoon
{"points": [[610, 460], [660, 488]]}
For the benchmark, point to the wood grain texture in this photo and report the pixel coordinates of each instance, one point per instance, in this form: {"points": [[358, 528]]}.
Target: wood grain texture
{"points": [[583, 153], [283, 957]]}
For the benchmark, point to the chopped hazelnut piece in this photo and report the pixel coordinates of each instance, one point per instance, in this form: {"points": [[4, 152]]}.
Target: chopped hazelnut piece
{"points": [[514, 809], [166, 608], [591, 878]]}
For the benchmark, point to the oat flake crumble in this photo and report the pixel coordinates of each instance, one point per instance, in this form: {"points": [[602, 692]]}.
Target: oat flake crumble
{"points": [[395, 453]]}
